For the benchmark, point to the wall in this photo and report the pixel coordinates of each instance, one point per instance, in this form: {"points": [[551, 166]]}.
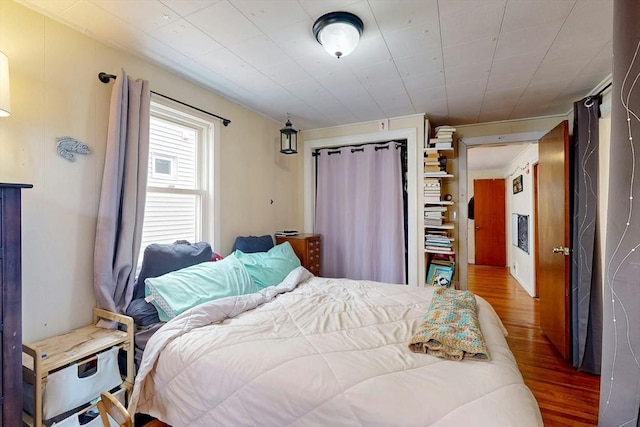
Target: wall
{"points": [[55, 92], [473, 175], [522, 264]]}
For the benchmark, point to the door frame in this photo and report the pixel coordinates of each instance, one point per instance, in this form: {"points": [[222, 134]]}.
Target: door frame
{"points": [[536, 259], [463, 145]]}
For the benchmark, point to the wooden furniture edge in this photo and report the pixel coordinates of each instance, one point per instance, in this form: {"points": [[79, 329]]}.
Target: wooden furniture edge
{"points": [[35, 353], [127, 321]]}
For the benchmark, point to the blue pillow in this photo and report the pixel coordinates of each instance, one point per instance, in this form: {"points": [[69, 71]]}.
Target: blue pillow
{"points": [[252, 244], [180, 290], [269, 268]]}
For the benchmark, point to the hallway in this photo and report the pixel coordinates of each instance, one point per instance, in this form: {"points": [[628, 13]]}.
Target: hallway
{"points": [[566, 397]]}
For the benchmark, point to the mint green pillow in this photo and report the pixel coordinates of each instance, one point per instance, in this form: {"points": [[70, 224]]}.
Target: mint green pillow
{"points": [[269, 268], [180, 290]]}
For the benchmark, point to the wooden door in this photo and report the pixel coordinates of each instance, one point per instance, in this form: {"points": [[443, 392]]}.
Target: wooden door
{"points": [[553, 236], [489, 222]]}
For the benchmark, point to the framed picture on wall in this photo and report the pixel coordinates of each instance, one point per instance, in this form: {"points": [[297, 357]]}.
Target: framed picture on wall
{"points": [[517, 184]]}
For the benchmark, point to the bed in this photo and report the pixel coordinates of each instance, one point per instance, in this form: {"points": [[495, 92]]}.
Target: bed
{"points": [[316, 351]]}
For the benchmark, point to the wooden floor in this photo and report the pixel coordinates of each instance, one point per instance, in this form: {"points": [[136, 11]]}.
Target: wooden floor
{"points": [[566, 397]]}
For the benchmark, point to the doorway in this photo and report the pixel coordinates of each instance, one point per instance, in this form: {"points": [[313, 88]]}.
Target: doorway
{"points": [[520, 203]]}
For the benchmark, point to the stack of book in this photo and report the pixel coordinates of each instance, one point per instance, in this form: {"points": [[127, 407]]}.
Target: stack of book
{"points": [[443, 139], [434, 215], [435, 163], [438, 243], [431, 190], [432, 218]]}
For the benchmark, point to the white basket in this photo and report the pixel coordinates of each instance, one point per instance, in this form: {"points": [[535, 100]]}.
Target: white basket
{"points": [[74, 420], [65, 390]]}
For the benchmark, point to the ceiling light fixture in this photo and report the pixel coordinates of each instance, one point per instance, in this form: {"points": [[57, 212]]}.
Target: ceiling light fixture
{"points": [[338, 32], [5, 93]]}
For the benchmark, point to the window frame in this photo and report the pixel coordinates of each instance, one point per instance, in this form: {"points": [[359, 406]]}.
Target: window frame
{"points": [[207, 213]]}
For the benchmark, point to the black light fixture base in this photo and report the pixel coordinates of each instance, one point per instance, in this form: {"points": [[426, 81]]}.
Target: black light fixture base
{"points": [[335, 17]]}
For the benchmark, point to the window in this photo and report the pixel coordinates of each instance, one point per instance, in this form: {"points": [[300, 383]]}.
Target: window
{"points": [[180, 177]]}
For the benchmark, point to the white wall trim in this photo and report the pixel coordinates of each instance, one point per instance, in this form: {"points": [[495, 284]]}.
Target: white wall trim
{"points": [[415, 249], [518, 137]]}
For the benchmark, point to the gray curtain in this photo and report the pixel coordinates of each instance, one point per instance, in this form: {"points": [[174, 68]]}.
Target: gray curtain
{"points": [[122, 198], [620, 380], [360, 214], [586, 282]]}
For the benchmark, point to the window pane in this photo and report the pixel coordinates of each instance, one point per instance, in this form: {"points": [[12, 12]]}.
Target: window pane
{"points": [[173, 155], [169, 217]]}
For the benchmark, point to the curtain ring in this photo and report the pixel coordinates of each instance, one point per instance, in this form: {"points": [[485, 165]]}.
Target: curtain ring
{"points": [[588, 102]]}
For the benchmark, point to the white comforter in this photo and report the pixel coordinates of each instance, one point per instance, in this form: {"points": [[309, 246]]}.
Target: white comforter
{"points": [[324, 352]]}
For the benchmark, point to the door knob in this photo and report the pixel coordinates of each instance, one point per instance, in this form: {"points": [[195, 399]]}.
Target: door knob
{"points": [[477, 228], [562, 250]]}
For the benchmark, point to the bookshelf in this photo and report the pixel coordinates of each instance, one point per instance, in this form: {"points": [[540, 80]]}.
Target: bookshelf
{"points": [[439, 221]]}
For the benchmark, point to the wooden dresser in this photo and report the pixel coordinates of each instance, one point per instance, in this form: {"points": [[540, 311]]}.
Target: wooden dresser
{"points": [[11, 304], [307, 248]]}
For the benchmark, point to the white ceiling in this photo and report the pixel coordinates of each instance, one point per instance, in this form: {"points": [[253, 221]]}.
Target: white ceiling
{"points": [[492, 157], [458, 61]]}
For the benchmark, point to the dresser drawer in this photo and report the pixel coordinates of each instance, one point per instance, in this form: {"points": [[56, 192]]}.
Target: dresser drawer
{"points": [[308, 248]]}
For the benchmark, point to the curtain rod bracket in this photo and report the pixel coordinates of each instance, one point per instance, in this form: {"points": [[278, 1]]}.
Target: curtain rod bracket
{"points": [[106, 78]]}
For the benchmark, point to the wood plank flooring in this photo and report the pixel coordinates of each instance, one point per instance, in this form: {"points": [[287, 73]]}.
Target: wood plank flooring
{"points": [[566, 397]]}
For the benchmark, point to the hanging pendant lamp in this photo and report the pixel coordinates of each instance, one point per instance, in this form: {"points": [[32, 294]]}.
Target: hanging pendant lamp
{"points": [[288, 138]]}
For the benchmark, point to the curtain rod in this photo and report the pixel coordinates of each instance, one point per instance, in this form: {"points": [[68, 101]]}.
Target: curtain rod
{"points": [[601, 91], [106, 78]]}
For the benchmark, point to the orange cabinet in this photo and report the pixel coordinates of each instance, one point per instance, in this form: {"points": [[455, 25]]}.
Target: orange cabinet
{"points": [[307, 248]]}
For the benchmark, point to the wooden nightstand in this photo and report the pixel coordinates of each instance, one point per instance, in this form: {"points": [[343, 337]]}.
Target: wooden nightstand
{"points": [[307, 248], [74, 349]]}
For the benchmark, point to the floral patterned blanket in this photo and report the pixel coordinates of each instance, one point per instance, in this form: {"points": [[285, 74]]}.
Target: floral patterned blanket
{"points": [[450, 328]]}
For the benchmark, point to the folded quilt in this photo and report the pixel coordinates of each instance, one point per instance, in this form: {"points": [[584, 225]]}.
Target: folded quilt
{"points": [[450, 328]]}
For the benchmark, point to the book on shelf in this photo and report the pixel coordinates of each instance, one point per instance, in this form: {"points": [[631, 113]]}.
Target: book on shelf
{"points": [[443, 145], [439, 233], [432, 182], [432, 168], [435, 209], [437, 245], [438, 250], [433, 221], [444, 134], [445, 128], [437, 140], [286, 233], [440, 275], [437, 240]]}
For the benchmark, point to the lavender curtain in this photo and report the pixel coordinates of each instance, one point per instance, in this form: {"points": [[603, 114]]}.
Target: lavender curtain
{"points": [[586, 281], [122, 199], [620, 380], [359, 213]]}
